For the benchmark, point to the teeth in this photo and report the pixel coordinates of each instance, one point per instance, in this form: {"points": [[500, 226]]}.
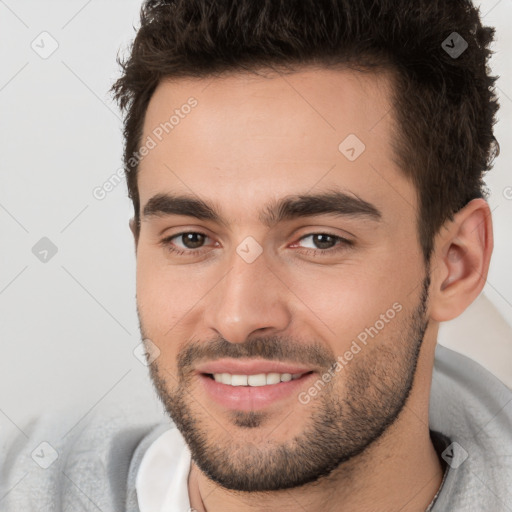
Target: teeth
{"points": [[255, 380], [239, 380], [261, 379], [273, 378]]}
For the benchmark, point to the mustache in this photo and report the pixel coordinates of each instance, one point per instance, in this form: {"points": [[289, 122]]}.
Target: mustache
{"points": [[271, 348]]}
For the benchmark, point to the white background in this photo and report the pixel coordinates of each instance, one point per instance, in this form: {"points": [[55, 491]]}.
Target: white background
{"points": [[69, 326]]}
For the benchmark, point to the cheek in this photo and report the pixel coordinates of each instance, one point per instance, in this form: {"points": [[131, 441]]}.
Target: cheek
{"points": [[355, 301], [165, 293]]}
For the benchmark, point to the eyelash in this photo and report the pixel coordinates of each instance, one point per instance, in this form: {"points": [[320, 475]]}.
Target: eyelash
{"points": [[343, 245]]}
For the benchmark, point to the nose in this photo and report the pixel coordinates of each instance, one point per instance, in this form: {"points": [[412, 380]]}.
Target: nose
{"points": [[249, 298]]}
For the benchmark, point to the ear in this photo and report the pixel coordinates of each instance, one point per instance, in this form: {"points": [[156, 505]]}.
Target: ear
{"points": [[461, 260], [134, 231]]}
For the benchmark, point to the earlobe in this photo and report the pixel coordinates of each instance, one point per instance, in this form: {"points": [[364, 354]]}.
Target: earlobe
{"points": [[462, 257]]}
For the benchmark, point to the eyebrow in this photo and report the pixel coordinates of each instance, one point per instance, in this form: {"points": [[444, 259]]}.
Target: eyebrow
{"points": [[335, 203]]}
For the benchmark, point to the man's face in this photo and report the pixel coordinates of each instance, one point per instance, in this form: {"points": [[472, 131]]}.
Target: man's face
{"points": [[261, 296]]}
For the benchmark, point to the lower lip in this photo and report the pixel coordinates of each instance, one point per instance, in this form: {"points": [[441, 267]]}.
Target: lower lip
{"points": [[249, 398]]}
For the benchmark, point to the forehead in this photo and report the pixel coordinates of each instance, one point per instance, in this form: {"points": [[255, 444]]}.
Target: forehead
{"points": [[249, 137]]}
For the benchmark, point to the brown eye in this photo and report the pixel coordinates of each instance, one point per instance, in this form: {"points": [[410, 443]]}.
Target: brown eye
{"points": [[192, 240], [187, 243], [324, 241]]}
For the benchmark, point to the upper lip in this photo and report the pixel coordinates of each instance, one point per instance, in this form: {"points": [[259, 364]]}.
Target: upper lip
{"points": [[250, 367]]}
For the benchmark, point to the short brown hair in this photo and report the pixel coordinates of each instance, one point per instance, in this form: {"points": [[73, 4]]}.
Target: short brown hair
{"points": [[444, 103]]}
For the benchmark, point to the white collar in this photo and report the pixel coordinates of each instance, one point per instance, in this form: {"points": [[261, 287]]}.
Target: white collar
{"points": [[162, 478]]}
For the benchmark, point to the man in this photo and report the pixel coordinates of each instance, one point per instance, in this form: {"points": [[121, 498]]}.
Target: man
{"points": [[308, 207]]}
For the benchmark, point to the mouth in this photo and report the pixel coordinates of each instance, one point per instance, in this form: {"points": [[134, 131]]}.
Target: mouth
{"points": [[252, 385]]}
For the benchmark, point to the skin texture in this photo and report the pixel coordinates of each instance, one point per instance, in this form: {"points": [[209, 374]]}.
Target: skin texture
{"points": [[364, 440]]}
